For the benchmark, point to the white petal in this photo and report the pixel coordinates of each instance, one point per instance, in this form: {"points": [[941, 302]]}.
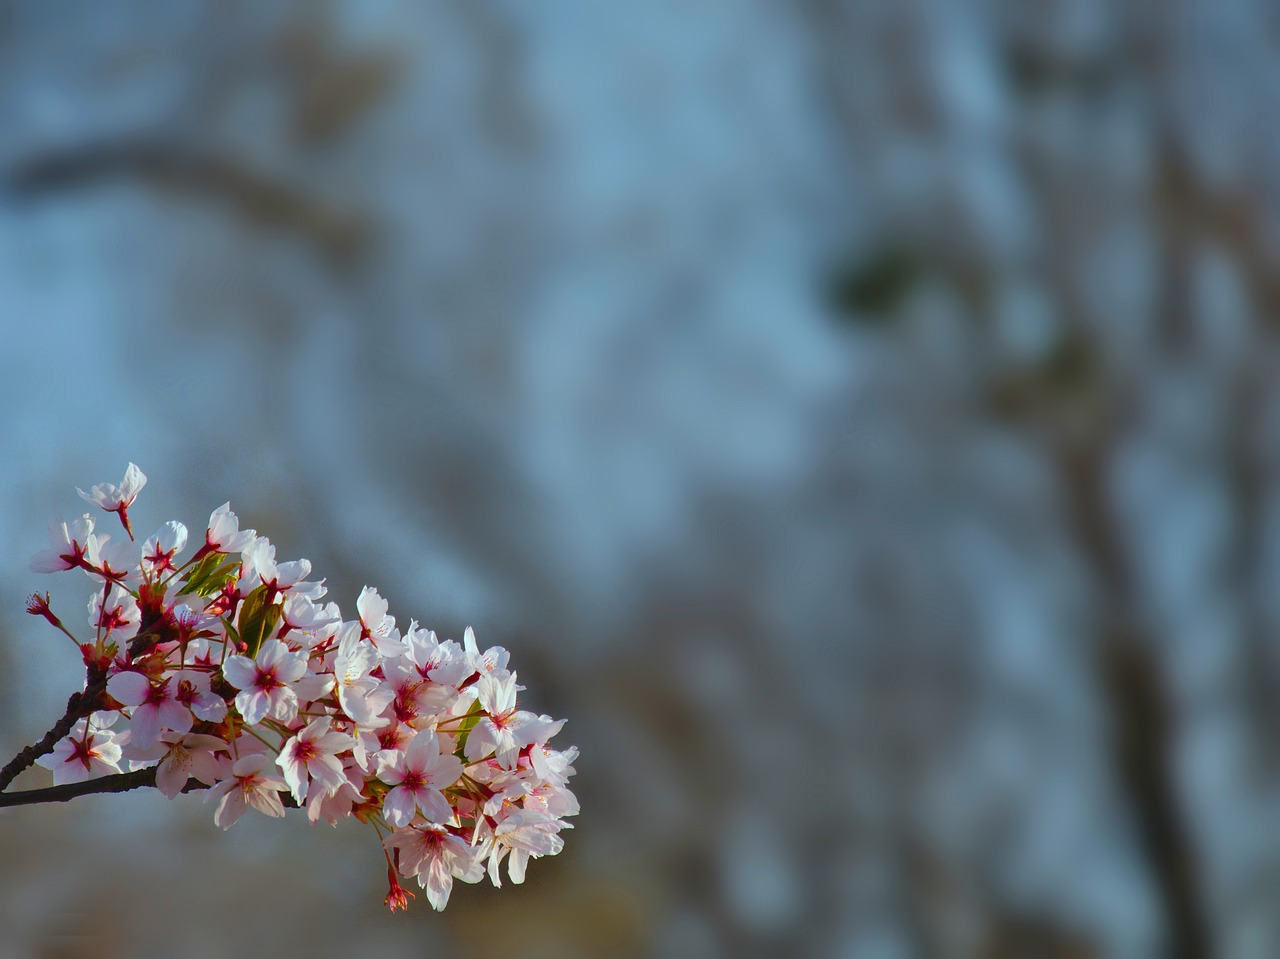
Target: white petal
{"points": [[129, 687], [144, 726], [445, 771], [399, 806], [434, 806], [134, 480], [175, 717], [48, 561], [171, 777], [253, 705], [284, 704], [312, 687], [516, 865], [438, 883], [482, 739], [240, 671], [230, 809]]}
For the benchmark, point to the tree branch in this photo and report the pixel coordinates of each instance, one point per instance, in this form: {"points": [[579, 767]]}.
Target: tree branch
{"points": [[79, 705], [119, 783]]}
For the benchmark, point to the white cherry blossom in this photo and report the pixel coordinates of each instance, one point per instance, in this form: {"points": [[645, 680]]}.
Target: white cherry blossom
{"points": [[494, 659], [116, 613], [86, 753], [162, 546], [224, 534], [112, 560], [258, 567], [361, 696], [68, 543], [117, 499]]}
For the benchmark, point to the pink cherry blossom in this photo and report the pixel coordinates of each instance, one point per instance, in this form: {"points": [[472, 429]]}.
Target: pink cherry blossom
{"points": [[193, 690], [251, 782], [504, 730], [437, 857], [310, 758], [265, 682], [524, 833], [375, 747], [417, 777], [182, 756], [301, 612], [416, 701], [444, 663], [154, 706], [337, 805]]}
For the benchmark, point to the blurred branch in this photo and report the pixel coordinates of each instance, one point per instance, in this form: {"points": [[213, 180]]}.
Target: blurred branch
{"points": [[253, 193], [333, 89], [1137, 702], [1143, 735]]}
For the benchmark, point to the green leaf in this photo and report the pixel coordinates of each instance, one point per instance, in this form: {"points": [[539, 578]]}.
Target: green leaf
{"points": [[219, 578], [209, 575], [258, 619], [468, 723], [197, 574], [232, 635]]}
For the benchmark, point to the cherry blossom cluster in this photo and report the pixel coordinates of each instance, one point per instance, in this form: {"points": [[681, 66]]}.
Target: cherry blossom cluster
{"points": [[226, 671]]}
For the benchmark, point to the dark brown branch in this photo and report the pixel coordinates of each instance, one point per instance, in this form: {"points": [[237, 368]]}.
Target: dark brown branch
{"points": [[78, 706], [119, 783], [122, 782]]}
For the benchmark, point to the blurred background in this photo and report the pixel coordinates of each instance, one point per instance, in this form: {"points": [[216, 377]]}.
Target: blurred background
{"points": [[860, 419]]}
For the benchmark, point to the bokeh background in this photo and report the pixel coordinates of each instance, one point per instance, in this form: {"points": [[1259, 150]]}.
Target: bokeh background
{"points": [[860, 419]]}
